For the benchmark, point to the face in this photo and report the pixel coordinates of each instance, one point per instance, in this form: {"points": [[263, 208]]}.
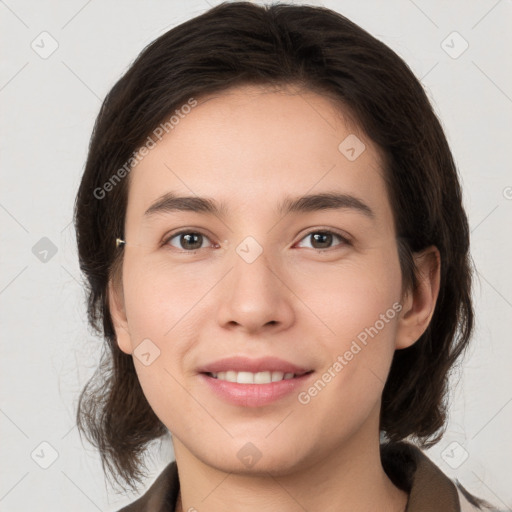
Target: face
{"points": [[314, 291]]}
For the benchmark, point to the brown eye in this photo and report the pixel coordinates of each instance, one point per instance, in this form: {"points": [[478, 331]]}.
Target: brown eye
{"points": [[324, 239], [321, 240], [188, 240]]}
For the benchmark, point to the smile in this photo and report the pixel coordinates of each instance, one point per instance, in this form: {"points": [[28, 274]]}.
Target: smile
{"points": [[264, 377], [247, 389]]}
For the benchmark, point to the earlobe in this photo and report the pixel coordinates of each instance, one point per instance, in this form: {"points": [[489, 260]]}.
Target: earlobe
{"points": [[118, 315], [419, 303]]}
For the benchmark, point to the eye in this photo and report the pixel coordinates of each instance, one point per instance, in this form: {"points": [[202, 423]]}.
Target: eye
{"points": [[188, 241], [322, 239]]}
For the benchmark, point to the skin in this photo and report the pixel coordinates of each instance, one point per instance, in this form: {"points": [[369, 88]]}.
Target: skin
{"points": [[250, 147]]}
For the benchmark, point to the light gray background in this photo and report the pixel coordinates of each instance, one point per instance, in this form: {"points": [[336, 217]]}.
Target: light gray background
{"points": [[48, 108]]}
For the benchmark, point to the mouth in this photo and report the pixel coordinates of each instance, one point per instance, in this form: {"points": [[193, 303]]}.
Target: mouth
{"points": [[262, 377], [253, 382]]}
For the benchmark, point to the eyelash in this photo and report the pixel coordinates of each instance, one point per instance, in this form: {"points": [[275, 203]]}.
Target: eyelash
{"points": [[344, 240]]}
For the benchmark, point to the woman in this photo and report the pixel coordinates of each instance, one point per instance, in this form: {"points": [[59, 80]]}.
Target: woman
{"points": [[271, 224]]}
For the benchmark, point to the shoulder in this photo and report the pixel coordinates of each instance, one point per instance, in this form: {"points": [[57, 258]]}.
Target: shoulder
{"points": [[161, 495], [428, 487], [470, 503]]}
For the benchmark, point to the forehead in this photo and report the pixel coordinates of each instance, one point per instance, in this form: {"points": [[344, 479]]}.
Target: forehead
{"points": [[251, 144]]}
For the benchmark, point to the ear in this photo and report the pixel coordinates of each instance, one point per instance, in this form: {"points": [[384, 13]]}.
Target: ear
{"points": [[419, 303], [118, 315]]}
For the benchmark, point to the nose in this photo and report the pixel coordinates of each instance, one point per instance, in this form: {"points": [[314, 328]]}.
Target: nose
{"points": [[255, 297]]}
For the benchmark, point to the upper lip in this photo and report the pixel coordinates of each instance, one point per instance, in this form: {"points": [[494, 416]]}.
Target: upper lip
{"points": [[247, 364]]}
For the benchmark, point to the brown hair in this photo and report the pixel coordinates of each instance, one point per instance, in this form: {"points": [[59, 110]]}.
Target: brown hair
{"points": [[318, 50]]}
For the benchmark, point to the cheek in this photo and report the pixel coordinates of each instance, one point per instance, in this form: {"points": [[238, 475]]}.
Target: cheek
{"points": [[159, 307], [359, 309], [164, 306], [354, 296], [159, 297]]}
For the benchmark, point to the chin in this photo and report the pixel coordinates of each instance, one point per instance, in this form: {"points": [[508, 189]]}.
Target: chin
{"points": [[249, 459]]}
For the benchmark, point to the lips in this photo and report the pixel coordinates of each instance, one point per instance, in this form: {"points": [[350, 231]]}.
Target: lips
{"points": [[245, 364], [247, 382]]}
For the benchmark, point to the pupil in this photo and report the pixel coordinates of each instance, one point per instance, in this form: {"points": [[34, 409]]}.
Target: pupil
{"points": [[323, 239], [187, 240]]}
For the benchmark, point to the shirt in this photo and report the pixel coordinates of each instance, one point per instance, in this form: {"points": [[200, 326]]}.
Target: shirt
{"points": [[429, 489]]}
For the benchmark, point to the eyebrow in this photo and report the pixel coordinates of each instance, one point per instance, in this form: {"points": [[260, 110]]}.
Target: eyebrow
{"points": [[171, 202], [324, 201]]}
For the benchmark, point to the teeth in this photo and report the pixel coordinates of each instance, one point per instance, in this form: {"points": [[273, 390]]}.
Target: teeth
{"points": [[245, 378], [262, 377], [252, 378], [277, 376]]}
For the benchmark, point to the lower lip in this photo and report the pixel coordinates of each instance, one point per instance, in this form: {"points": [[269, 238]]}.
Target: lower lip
{"points": [[254, 395]]}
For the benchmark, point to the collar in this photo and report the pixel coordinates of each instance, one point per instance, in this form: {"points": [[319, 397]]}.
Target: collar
{"points": [[430, 490]]}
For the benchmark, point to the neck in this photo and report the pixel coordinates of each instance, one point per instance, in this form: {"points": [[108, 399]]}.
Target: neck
{"points": [[350, 478]]}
